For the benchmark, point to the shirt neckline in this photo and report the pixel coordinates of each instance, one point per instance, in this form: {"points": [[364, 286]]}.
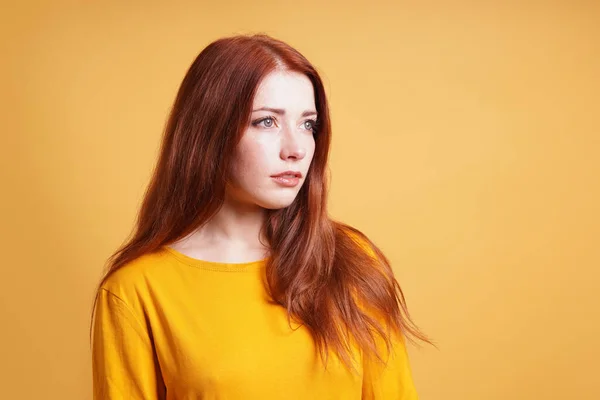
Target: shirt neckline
{"points": [[215, 265]]}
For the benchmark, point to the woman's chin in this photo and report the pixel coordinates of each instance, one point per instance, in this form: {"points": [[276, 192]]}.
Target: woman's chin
{"points": [[277, 203]]}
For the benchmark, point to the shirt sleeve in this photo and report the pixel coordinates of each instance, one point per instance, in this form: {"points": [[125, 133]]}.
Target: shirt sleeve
{"points": [[390, 381], [123, 362]]}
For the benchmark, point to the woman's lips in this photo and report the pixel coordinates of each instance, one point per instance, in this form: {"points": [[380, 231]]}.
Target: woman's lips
{"points": [[288, 178]]}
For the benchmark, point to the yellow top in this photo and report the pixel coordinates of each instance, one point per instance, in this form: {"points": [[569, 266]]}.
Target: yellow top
{"points": [[169, 326]]}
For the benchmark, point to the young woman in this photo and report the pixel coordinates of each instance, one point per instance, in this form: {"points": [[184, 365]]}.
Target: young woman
{"points": [[236, 284]]}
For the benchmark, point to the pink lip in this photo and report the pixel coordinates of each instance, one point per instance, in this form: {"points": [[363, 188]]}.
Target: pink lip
{"points": [[296, 174], [288, 178]]}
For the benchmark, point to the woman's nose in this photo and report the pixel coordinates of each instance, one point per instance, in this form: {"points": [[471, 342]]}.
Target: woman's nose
{"points": [[291, 147]]}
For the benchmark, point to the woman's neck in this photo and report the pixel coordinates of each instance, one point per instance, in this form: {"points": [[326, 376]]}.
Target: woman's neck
{"points": [[232, 235]]}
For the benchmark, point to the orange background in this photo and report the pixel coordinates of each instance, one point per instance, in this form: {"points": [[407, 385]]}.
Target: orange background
{"points": [[466, 141]]}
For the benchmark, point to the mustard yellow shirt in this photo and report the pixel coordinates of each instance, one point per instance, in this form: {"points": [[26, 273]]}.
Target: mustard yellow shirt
{"points": [[169, 326]]}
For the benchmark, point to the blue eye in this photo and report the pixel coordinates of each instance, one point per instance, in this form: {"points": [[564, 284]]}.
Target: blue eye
{"points": [[314, 125], [269, 122], [268, 125]]}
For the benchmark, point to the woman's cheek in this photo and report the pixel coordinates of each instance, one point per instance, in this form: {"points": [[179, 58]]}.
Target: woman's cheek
{"points": [[257, 159]]}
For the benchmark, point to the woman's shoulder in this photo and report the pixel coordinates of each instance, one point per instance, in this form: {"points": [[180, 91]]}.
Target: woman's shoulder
{"points": [[136, 276], [375, 258], [358, 237]]}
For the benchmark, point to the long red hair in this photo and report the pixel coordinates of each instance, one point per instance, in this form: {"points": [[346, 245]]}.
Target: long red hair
{"points": [[328, 275]]}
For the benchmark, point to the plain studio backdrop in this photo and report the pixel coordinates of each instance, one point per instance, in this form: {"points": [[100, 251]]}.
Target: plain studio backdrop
{"points": [[466, 142]]}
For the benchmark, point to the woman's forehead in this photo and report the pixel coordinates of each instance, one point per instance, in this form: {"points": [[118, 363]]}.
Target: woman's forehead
{"points": [[290, 91]]}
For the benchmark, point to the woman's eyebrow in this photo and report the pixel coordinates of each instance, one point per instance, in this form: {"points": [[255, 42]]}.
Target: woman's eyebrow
{"points": [[281, 111]]}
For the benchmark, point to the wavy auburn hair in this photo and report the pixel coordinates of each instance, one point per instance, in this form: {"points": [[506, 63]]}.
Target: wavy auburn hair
{"points": [[329, 276]]}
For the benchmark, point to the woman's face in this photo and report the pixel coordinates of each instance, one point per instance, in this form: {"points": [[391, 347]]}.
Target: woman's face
{"points": [[278, 139]]}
